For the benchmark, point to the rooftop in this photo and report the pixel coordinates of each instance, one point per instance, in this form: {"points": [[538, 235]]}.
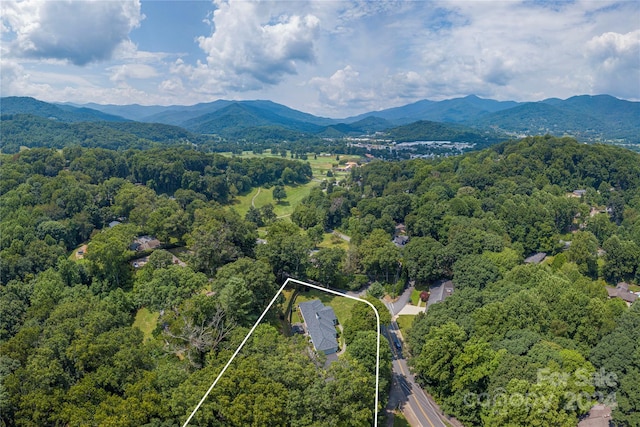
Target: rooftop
{"points": [[622, 291], [536, 258], [320, 322]]}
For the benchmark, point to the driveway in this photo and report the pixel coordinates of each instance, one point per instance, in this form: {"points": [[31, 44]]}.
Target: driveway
{"points": [[411, 309], [396, 306]]}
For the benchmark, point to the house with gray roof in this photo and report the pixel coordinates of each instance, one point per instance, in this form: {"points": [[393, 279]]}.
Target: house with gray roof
{"points": [[320, 322], [622, 291], [535, 258]]}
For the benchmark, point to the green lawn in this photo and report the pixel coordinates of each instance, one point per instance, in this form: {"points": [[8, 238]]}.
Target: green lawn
{"points": [[330, 240], [295, 193], [404, 323], [319, 164], [146, 321], [415, 296], [263, 196], [342, 306], [322, 164]]}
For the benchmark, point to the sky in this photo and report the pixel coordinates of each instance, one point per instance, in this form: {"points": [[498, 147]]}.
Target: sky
{"points": [[329, 58]]}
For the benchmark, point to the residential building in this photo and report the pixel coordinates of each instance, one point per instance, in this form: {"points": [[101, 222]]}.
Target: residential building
{"points": [[320, 322], [622, 291], [536, 258]]}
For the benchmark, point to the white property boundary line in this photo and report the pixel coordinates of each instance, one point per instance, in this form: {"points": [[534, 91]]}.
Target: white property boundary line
{"points": [[375, 409]]}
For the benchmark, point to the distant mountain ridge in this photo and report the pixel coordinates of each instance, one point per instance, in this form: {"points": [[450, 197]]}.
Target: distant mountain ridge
{"points": [[62, 113], [457, 110], [588, 118]]}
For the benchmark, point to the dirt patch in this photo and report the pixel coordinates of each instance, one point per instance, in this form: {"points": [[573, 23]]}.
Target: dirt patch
{"points": [[80, 252]]}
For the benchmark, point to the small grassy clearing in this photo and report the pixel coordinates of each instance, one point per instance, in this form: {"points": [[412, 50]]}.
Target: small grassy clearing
{"points": [[330, 240], [146, 321], [404, 322], [342, 306], [262, 196]]}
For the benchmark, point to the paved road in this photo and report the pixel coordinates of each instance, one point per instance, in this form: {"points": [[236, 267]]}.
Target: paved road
{"points": [[405, 393]]}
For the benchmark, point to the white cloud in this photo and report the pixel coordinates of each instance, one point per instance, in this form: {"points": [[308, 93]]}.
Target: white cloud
{"points": [[254, 44], [504, 50], [80, 32], [342, 88], [121, 73], [615, 58], [332, 58], [172, 86]]}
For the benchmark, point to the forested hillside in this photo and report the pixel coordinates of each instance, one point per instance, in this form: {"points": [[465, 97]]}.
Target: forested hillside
{"points": [[474, 219], [62, 113], [92, 335]]}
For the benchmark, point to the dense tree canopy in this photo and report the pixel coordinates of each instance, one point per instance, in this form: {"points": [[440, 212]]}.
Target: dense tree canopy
{"points": [[105, 334]]}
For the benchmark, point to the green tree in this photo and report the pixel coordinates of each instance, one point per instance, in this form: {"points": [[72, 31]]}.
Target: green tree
{"points": [[616, 207], [376, 290], [108, 253], [236, 298], [286, 250], [168, 287], [279, 193], [504, 260], [258, 277], [363, 318], [288, 176], [601, 227], [219, 237], [424, 259], [327, 265], [268, 214], [622, 259], [474, 271], [434, 365], [160, 258], [316, 234], [253, 215], [584, 252], [378, 255]]}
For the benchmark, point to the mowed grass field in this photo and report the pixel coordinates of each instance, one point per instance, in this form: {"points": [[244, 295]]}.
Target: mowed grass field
{"points": [[295, 193], [262, 196]]}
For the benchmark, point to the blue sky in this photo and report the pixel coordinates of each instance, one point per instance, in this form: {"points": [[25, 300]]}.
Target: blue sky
{"points": [[183, 20], [331, 58]]}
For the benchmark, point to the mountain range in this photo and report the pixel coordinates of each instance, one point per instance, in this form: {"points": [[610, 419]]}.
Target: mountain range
{"points": [[588, 118]]}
